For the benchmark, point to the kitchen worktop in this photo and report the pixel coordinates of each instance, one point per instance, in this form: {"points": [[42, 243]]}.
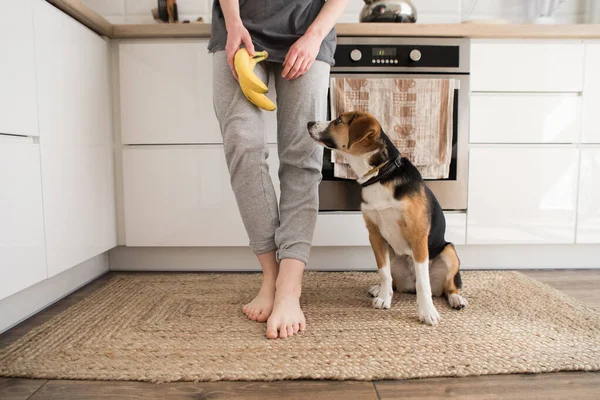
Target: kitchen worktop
{"points": [[96, 22]]}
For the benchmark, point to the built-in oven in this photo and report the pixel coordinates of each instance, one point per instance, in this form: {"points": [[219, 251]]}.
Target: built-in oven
{"points": [[405, 58]]}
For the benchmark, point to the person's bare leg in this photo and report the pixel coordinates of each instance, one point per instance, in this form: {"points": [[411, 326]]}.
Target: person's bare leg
{"points": [[287, 317], [260, 308]]}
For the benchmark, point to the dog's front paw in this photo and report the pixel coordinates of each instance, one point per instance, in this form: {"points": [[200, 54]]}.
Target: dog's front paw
{"points": [[374, 290], [456, 301], [428, 314], [380, 302]]}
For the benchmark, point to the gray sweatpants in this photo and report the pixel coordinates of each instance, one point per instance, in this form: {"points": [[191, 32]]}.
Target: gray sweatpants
{"points": [[286, 227]]}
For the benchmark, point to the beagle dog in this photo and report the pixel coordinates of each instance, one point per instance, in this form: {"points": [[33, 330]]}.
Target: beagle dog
{"points": [[405, 222]]}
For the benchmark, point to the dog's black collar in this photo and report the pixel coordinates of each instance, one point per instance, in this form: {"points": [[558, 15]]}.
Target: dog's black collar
{"points": [[386, 170]]}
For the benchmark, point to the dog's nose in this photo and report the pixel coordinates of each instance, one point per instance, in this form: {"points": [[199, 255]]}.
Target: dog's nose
{"points": [[311, 124]]}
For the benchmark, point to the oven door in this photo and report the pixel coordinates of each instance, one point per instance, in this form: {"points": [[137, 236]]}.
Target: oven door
{"points": [[337, 194]]}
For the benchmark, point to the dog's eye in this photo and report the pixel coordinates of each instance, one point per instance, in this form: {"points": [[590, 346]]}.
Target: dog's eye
{"points": [[338, 121]]}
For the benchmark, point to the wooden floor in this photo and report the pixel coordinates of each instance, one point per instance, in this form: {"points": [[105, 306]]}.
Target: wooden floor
{"points": [[583, 285]]}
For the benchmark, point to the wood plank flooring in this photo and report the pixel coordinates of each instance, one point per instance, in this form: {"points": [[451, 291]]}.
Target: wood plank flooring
{"points": [[581, 284]]}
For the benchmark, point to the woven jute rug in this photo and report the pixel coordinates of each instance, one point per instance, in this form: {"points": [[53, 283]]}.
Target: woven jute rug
{"points": [[189, 327]]}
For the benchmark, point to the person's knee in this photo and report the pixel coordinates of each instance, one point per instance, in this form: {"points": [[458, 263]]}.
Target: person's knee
{"points": [[308, 156], [242, 144]]}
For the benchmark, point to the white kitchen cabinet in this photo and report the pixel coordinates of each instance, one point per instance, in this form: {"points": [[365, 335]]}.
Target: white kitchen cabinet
{"points": [[167, 93], [588, 211], [527, 66], [73, 75], [18, 105], [22, 249], [182, 196], [525, 118], [591, 95], [522, 195]]}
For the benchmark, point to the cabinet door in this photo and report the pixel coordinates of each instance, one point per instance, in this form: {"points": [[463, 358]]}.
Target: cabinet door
{"points": [[22, 251], [527, 66], [182, 196], [525, 118], [166, 92], [72, 64], [591, 95], [588, 212], [522, 195], [18, 106]]}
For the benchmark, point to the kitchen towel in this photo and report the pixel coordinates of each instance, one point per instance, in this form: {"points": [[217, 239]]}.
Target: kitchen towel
{"points": [[416, 114]]}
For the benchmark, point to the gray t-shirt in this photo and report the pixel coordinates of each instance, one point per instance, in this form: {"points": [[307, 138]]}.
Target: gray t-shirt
{"points": [[274, 25]]}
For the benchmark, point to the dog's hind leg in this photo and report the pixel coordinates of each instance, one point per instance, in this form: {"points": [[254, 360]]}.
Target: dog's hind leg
{"points": [[403, 274], [445, 277]]}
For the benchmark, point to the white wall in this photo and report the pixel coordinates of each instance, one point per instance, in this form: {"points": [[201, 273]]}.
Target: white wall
{"points": [[429, 11]]}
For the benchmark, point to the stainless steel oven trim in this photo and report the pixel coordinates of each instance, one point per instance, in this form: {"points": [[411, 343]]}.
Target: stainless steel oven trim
{"points": [[452, 195], [463, 43]]}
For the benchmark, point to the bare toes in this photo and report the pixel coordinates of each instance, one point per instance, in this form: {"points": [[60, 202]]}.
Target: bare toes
{"points": [[262, 317], [271, 330], [290, 330], [296, 327], [282, 332]]}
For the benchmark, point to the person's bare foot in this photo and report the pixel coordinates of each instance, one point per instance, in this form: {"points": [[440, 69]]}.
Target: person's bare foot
{"points": [[260, 308], [287, 318]]}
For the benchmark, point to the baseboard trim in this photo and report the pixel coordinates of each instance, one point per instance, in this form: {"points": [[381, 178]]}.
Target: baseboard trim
{"points": [[237, 259], [22, 305]]}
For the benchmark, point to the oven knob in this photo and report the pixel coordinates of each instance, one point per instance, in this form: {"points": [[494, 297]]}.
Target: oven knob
{"points": [[355, 55], [415, 55]]}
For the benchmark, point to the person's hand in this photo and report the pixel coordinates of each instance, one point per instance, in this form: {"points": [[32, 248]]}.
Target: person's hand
{"points": [[236, 36], [301, 56]]}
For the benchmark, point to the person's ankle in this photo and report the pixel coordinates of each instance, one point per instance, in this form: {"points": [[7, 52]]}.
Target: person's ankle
{"points": [[289, 286], [269, 284], [289, 280]]}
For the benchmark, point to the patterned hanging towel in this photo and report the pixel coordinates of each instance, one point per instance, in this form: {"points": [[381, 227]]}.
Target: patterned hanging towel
{"points": [[416, 114]]}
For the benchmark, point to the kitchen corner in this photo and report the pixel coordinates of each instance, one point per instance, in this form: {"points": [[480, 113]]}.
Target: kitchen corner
{"points": [[115, 170]]}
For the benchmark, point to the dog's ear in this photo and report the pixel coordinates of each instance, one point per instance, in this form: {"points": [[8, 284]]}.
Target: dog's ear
{"points": [[360, 129], [352, 117]]}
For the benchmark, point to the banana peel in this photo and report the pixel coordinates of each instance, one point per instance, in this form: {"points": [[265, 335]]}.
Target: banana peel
{"points": [[253, 88]]}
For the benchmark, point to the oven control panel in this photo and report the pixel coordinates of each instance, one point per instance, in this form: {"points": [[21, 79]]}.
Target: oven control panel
{"points": [[362, 55]]}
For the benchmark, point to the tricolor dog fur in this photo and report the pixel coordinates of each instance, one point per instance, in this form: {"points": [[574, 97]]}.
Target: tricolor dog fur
{"points": [[405, 222]]}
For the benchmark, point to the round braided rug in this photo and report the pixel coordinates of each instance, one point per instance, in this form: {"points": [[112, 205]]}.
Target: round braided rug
{"points": [[189, 327]]}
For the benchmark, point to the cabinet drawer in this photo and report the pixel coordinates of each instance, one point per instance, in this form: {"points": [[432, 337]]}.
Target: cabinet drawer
{"points": [[536, 66], [182, 196], [18, 92], [522, 195], [591, 95], [525, 118], [166, 92]]}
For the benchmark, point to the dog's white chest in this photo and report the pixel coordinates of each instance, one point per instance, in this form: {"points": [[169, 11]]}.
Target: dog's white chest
{"points": [[386, 212]]}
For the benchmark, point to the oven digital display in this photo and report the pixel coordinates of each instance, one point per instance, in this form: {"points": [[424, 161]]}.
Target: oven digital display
{"points": [[384, 51]]}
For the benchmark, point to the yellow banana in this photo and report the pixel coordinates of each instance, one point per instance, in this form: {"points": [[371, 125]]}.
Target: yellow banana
{"points": [[258, 99], [244, 66]]}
